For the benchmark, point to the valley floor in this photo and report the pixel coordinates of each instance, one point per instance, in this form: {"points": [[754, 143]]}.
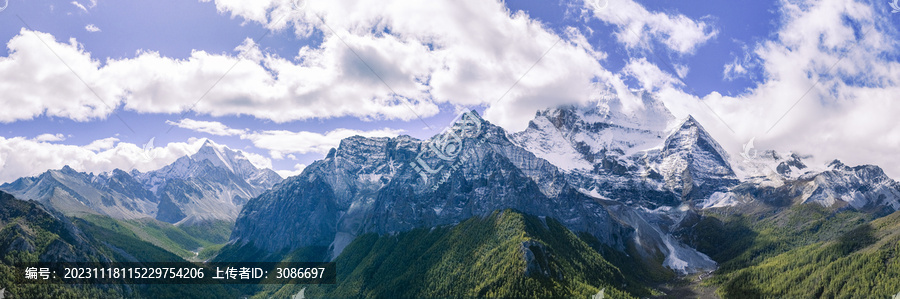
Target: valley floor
{"points": [[691, 286]]}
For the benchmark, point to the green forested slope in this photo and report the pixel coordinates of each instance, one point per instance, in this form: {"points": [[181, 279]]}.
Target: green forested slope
{"points": [[862, 263], [740, 240], [480, 257], [182, 241], [28, 233], [803, 251]]}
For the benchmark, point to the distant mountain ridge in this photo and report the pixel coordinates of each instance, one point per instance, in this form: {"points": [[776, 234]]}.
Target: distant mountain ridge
{"points": [[211, 184]]}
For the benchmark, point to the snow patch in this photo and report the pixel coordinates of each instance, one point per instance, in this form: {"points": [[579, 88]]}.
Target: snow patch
{"points": [[719, 200]]}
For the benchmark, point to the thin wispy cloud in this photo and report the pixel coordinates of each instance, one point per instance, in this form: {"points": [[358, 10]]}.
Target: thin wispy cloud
{"points": [[79, 6]]}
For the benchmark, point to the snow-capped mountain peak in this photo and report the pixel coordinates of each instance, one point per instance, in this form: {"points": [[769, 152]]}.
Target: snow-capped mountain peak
{"points": [[622, 155], [693, 163], [580, 137], [218, 155], [691, 137]]}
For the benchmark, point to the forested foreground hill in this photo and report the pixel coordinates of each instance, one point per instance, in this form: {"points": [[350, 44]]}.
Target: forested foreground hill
{"points": [[504, 255], [864, 262], [31, 233], [805, 251]]}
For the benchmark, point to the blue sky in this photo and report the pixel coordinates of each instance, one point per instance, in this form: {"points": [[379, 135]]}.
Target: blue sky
{"points": [[292, 84]]}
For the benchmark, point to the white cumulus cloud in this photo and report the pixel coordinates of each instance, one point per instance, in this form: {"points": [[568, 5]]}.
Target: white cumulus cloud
{"points": [[36, 83], [424, 54], [102, 144], [637, 26], [298, 168], [828, 87]]}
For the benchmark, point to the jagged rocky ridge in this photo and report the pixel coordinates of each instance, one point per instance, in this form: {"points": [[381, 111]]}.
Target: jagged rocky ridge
{"points": [[370, 185], [212, 184], [629, 178], [610, 155], [786, 180]]}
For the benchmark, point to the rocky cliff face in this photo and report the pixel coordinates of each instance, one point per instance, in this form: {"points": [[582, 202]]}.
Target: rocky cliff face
{"points": [[368, 185], [692, 163]]}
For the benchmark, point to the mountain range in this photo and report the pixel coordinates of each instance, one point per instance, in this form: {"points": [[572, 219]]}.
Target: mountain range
{"points": [[626, 182], [602, 198], [209, 185]]}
